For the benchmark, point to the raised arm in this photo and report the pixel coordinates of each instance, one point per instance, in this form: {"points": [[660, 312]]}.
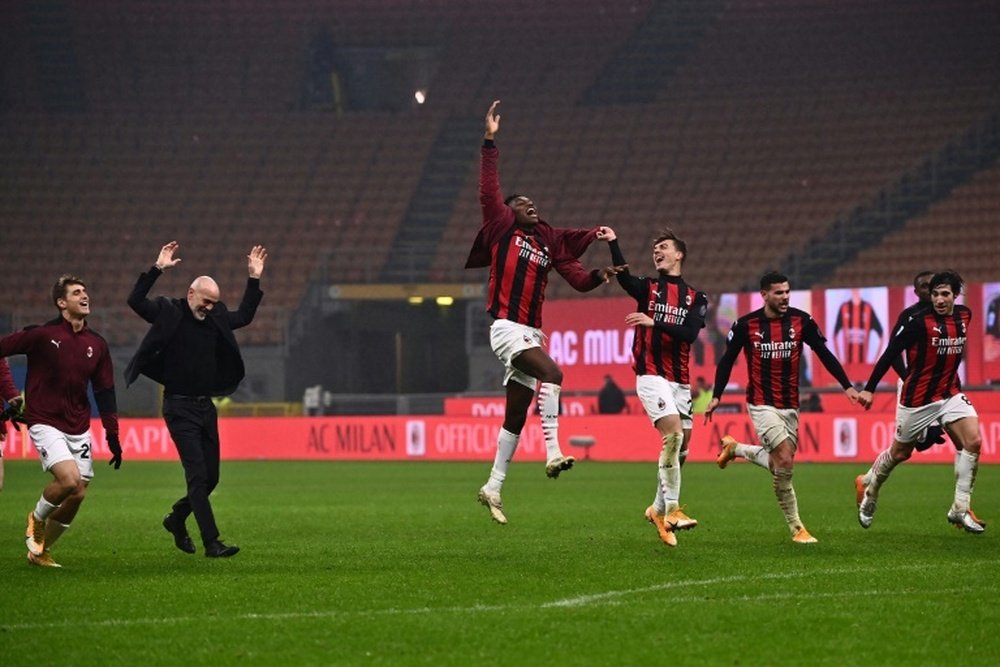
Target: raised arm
{"points": [[144, 307], [252, 295], [490, 198]]}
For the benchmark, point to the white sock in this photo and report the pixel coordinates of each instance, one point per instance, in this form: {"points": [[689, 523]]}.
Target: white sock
{"points": [[44, 508], [785, 492], [879, 472], [506, 446], [548, 407], [965, 479], [754, 454], [670, 470], [53, 531], [659, 504]]}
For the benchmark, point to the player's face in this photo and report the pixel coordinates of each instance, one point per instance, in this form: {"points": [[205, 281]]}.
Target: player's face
{"points": [[943, 299], [666, 257], [525, 212], [76, 302], [201, 302], [776, 298], [923, 289]]}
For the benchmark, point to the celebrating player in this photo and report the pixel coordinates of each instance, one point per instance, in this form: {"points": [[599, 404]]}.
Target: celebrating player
{"points": [[520, 248], [64, 357], [771, 339], [669, 315], [934, 342]]}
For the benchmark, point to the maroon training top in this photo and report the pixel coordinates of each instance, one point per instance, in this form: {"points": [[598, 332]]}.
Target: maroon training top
{"points": [[60, 364]]}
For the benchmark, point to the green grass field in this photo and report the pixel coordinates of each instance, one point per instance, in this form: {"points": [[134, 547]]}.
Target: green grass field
{"points": [[396, 563]]}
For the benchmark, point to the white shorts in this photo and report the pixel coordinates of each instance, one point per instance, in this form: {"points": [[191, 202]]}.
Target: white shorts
{"points": [[54, 446], [509, 339], [775, 425], [661, 398], [912, 423]]}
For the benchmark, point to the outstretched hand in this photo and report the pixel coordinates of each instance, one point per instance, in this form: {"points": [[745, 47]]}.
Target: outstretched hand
{"points": [[492, 121], [166, 259], [865, 399], [608, 272], [710, 408], [605, 233], [255, 261]]}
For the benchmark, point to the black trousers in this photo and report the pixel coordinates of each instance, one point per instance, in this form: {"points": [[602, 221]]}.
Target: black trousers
{"points": [[194, 427]]}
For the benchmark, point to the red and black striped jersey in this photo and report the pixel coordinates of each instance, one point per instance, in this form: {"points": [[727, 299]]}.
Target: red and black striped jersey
{"points": [[933, 345], [520, 257], [773, 351], [678, 312], [519, 272], [857, 320]]}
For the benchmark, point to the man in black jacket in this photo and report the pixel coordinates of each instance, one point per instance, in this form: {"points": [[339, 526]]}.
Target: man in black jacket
{"points": [[191, 351]]}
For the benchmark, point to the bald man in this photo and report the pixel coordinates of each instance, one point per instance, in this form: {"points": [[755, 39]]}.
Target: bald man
{"points": [[191, 351]]}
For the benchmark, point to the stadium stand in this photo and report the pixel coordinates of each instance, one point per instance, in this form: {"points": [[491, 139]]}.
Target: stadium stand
{"points": [[777, 121]]}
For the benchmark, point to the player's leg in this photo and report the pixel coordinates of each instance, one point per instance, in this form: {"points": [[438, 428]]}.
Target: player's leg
{"points": [[508, 339], [966, 432], [60, 520], [536, 362], [730, 448], [56, 458], [911, 423], [519, 397]]}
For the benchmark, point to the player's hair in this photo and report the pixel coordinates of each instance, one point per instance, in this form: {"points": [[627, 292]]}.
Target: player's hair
{"points": [[771, 278], [950, 278], [59, 289], [916, 278], [667, 234], [511, 198]]}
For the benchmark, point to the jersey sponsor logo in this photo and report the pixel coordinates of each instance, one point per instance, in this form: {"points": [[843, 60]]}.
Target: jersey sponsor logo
{"points": [[665, 312], [781, 349], [531, 253], [948, 344]]}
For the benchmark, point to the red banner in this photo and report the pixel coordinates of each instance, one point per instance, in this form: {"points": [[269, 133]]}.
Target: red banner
{"points": [[848, 437]]}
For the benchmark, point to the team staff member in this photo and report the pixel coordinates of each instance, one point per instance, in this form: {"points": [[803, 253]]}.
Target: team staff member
{"points": [[521, 249], [771, 339], [65, 356], [192, 352]]}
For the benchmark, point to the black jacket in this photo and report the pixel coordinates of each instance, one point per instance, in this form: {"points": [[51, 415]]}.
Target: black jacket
{"points": [[165, 314]]}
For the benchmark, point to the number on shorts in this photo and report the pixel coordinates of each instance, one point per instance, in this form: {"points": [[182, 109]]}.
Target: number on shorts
{"points": [[86, 452], [966, 399]]}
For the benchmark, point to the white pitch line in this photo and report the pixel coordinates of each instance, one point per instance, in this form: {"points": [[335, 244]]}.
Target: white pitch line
{"points": [[595, 599]]}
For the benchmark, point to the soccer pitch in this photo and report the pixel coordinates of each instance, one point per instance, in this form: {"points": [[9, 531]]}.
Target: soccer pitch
{"points": [[396, 563]]}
